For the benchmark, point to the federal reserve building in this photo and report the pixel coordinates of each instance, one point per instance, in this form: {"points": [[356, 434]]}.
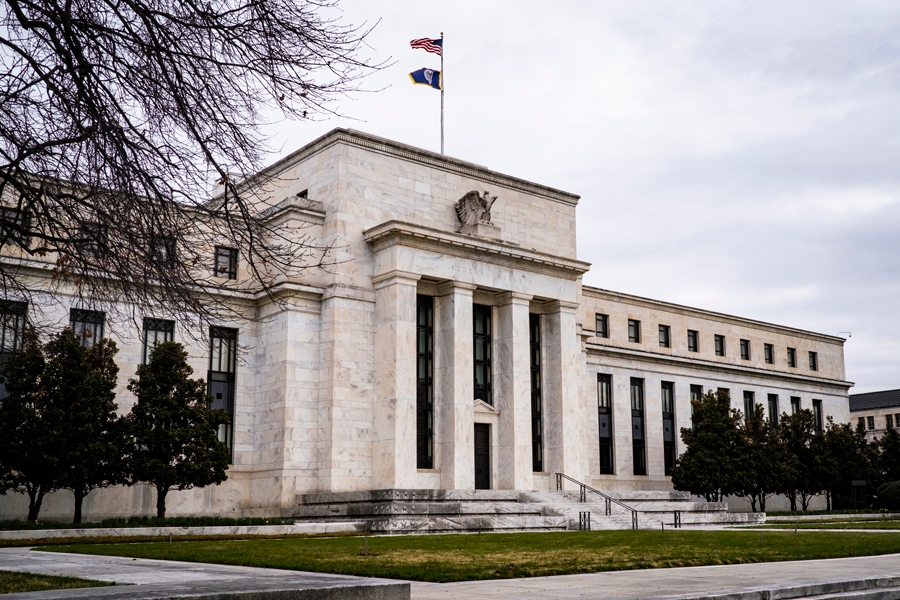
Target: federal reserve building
{"points": [[448, 351]]}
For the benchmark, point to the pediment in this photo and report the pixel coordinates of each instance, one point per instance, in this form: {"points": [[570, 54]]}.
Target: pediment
{"points": [[480, 406]]}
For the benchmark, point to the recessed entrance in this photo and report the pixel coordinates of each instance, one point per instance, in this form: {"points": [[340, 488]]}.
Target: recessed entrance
{"points": [[482, 456]]}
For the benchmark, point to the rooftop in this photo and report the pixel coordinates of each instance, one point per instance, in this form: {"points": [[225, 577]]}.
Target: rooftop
{"points": [[872, 400]]}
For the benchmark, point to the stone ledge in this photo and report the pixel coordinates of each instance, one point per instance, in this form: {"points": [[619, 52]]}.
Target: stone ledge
{"points": [[296, 529]]}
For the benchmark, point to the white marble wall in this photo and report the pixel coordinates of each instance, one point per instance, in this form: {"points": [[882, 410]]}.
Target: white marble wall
{"points": [[326, 384]]}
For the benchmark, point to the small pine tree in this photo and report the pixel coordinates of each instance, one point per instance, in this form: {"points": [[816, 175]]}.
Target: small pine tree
{"points": [[81, 385], [760, 459], [27, 453], [710, 464], [173, 434]]}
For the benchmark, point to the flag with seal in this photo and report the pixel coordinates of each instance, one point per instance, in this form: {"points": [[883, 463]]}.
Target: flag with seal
{"points": [[427, 76]]}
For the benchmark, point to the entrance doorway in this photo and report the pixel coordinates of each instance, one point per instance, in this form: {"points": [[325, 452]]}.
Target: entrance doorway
{"points": [[482, 456]]}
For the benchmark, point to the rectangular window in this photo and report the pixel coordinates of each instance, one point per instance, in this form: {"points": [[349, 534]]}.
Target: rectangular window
{"points": [[693, 340], [725, 391], [795, 404], [156, 331], [604, 412], [482, 342], [749, 404], [13, 315], [889, 421], [817, 414], [861, 423], [696, 392], [163, 250], [15, 227], [634, 331], [769, 352], [639, 448], [870, 422], [720, 345], [667, 396], [424, 382], [773, 409], [813, 361], [93, 238], [745, 349], [87, 325], [537, 405], [226, 262], [602, 325], [792, 357], [664, 332], [221, 377]]}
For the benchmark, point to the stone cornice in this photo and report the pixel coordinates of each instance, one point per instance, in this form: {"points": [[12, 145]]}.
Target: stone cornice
{"points": [[688, 311], [394, 233], [412, 154], [707, 365]]}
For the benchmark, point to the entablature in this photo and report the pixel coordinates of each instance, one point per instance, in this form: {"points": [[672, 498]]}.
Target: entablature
{"points": [[599, 350], [397, 233]]}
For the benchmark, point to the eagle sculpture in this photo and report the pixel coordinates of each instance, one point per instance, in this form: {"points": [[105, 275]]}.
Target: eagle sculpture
{"points": [[472, 208]]}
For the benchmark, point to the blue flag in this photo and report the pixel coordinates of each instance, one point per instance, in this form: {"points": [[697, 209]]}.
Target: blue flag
{"points": [[427, 77]]}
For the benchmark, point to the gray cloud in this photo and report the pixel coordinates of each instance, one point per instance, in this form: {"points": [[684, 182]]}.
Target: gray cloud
{"points": [[737, 156]]}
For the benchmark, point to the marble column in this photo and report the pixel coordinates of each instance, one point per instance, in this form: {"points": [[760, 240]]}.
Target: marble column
{"points": [[512, 392], [564, 422], [394, 451], [455, 391]]}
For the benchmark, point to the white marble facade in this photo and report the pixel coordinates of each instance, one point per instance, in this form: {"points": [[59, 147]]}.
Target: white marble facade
{"points": [[326, 385]]}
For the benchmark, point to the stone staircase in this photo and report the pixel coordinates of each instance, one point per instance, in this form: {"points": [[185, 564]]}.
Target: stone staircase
{"points": [[655, 510], [431, 511], [441, 511]]}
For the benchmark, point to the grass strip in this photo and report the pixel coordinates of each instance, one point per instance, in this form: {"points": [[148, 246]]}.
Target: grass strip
{"points": [[12, 582], [145, 522], [877, 525], [445, 558]]}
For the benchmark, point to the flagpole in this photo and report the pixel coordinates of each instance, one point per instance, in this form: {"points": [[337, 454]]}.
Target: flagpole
{"points": [[442, 92]]}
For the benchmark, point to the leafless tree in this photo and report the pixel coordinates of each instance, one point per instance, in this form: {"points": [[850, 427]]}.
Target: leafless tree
{"points": [[117, 115]]}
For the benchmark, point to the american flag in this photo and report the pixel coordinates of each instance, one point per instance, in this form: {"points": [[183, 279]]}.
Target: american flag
{"points": [[429, 45]]}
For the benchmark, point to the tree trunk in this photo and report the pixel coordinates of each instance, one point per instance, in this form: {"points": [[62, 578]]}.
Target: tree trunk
{"points": [[35, 498], [762, 503], [161, 492], [793, 499], [753, 503], [827, 499], [79, 498]]}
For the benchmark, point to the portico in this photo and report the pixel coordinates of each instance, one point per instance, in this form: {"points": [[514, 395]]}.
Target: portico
{"points": [[483, 371]]}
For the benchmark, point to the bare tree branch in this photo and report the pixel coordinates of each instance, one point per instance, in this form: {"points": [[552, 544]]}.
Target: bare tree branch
{"points": [[117, 115]]}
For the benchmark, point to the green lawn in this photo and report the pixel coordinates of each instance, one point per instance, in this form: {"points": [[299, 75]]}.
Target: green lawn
{"points": [[13, 582], [844, 524], [442, 558]]}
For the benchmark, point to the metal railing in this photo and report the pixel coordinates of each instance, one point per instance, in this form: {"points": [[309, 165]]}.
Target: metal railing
{"points": [[584, 488]]}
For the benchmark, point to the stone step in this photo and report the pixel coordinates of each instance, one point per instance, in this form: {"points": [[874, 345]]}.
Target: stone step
{"points": [[410, 495], [447, 523], [395, 508]]}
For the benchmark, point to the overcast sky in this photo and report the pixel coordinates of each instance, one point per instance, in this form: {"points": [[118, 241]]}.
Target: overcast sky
{"points": [[740, 157]]}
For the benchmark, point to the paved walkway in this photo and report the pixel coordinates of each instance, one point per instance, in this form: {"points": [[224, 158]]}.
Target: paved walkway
{"points": [[662, 583], [167, 579], [156, 579]]}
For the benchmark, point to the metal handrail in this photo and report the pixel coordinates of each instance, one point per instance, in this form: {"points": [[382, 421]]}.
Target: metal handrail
{"points": [[582, 497]]}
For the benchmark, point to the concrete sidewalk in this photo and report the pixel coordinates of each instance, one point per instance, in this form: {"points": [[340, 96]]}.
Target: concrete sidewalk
{"points": [[139, 579], [156, 579], [713, 582]]}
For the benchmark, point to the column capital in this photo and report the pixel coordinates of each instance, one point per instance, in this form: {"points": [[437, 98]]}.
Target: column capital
{"points": [[446, 288], [395, 276], [504, 298], [558, 306]]}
